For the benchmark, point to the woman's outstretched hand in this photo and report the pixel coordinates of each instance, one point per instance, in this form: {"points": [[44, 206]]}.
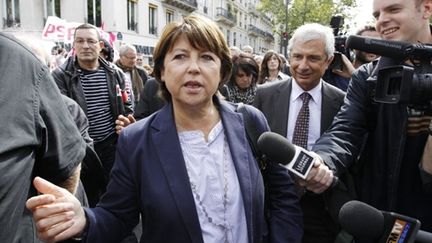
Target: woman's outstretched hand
{"points": [[58, 215]]}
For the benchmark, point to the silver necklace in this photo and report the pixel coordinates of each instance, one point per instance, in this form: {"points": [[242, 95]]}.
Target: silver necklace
{"points": [[223, 225]]}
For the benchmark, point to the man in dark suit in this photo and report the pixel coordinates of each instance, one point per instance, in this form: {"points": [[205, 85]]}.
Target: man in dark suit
{"points": [[311, 52]]}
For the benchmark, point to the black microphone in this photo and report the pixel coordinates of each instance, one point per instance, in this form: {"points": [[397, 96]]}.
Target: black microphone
{"points": [[393, 49], [277, 148], [368, 224]]}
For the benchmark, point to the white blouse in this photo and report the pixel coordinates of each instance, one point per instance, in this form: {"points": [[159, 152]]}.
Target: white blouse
{"points": [[215, 186]]}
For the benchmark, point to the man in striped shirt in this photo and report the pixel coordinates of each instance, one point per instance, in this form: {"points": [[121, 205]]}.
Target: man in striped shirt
{"points": [[92, 83]]}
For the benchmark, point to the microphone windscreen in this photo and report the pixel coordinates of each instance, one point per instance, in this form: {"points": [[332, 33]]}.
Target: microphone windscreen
{"points": [[393, 49], [276, 147], [361, 220]]}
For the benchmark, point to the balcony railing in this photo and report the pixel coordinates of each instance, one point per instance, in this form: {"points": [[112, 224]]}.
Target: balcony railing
{"points": [[11, 23], [255, 31], [252, 10], [266, 18], [188, 5], [133, 26], [153, 30], [225, 16], [269, 36]]}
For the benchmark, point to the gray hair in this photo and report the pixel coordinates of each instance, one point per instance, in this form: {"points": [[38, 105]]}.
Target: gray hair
{"points": [[248, 47], [126, 47], [314, 31], [258, 58]]}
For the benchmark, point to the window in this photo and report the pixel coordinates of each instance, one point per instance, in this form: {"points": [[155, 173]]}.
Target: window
{"points": [[53, 8], [131, 15], [169, 16], [228, 37], [234, 39], [205, 8], [94, 12], [12, 13], [153, 20]]}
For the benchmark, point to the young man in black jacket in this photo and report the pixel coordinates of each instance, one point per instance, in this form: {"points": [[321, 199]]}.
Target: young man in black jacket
{"points": [[394, 169]]}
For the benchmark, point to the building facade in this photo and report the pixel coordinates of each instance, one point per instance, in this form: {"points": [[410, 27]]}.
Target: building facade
{"points": [[140, 22]]}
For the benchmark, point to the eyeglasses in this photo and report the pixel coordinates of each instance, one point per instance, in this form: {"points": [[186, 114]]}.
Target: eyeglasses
{"points": [[90, 42]]}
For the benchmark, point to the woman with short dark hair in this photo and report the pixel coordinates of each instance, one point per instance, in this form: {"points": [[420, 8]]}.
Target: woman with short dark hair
{"points": [[242, 85], [188, 169]]}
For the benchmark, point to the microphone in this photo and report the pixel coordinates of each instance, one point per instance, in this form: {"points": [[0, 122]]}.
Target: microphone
{"points": [[277, 148], [368, 224], [393, 49]]}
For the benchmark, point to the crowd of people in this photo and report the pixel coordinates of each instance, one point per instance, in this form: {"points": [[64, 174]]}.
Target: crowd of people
{"points": [[105, 150]]}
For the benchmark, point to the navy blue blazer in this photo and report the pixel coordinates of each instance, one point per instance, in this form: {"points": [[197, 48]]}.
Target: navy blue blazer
{"points": [[150, 178]]}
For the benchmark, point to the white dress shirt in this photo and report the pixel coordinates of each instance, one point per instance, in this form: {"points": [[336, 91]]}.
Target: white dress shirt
{"points": [[314, 112]]}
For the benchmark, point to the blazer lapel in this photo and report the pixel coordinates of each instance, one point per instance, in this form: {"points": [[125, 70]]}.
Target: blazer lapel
{"points": [[171, 159], [235, 132], [281, 107]]}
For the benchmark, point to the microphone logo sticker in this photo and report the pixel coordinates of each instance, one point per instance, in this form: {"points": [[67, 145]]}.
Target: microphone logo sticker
{"points": [[302, 164], [399, 231]]}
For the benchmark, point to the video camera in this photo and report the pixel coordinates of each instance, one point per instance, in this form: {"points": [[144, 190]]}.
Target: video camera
{"points": [[336, 23], [397, 83]]}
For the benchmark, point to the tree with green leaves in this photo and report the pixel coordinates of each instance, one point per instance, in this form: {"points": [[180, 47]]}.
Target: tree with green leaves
{"points": [[303, 11]]}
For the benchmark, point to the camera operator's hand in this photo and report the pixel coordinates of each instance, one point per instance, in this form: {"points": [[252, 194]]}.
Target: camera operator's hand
{"points": [[347, 69]]}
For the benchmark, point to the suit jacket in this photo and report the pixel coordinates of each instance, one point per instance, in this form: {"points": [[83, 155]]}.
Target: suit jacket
{"points": [[273, 100], [150, 178], [149, 101]]}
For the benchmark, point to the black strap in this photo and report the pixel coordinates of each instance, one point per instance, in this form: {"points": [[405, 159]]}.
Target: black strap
{"points": [[252, 135]]}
